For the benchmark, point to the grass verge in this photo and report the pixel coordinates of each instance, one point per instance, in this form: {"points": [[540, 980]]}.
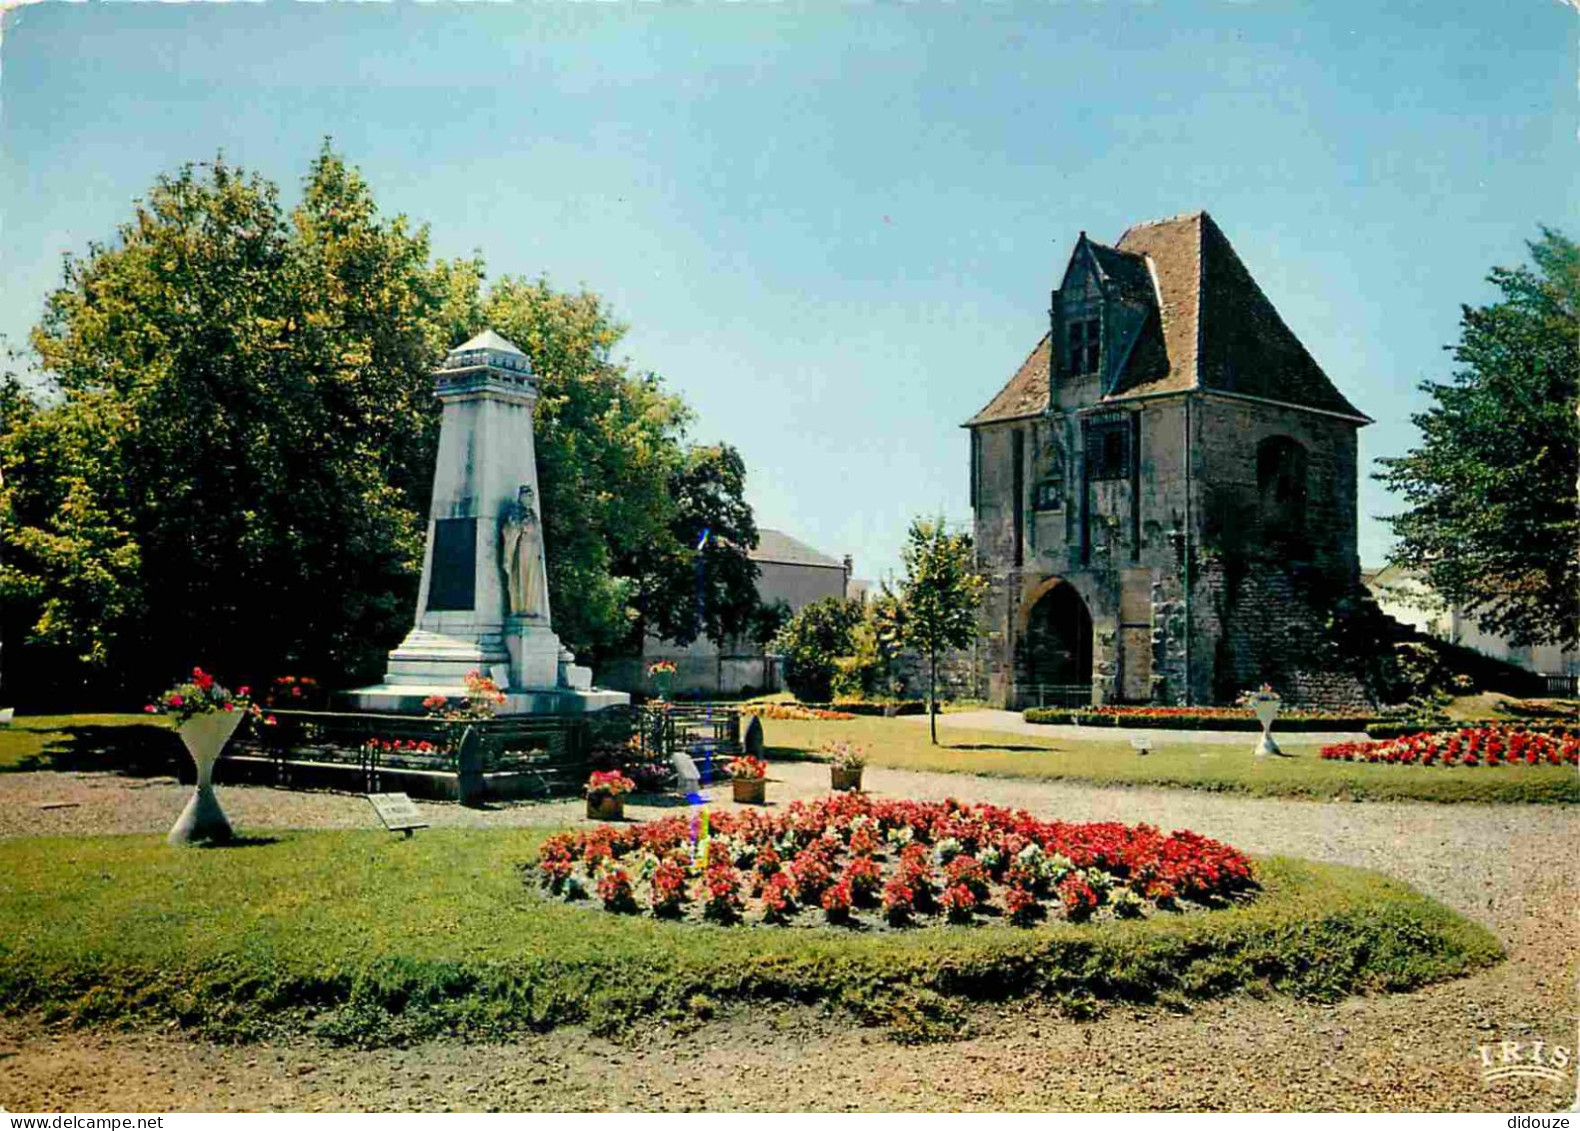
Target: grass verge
{"points": [[86, 742], [902, 744], [367, 939]]}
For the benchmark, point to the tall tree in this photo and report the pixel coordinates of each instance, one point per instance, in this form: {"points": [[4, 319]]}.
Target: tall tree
{"points": [[936, 606], [704, 584], [231, 461], [625, 501], [229, 456], [1493, 516]]}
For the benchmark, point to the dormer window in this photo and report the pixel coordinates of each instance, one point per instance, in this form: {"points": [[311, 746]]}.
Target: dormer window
{"points": [[1085, 347]]}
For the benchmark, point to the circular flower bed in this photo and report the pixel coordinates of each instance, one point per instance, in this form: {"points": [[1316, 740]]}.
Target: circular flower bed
{"points": [[852, 859], [1470, 746]]}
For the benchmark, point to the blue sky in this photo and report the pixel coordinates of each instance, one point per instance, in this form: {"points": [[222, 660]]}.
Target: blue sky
{"points": [[833, 227]]}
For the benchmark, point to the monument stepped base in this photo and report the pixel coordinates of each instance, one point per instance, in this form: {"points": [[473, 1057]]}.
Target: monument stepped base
{"points": [[406, 699]]}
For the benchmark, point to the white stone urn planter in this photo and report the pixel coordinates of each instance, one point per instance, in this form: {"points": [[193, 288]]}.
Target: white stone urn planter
{"points": [[205, 736], [1266, 708]]}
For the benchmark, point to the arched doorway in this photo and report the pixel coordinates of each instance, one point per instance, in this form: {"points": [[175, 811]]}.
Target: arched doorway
{"points": [[1054, 653]]}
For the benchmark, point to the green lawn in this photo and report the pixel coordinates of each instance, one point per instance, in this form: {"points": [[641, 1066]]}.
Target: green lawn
{"points": [[363, 937], [41, 742], [903, 744]]}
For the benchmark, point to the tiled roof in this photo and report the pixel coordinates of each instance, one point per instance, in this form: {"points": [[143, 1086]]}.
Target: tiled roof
{"points": [[1027, 391], [777, 546], [1213, 327], [1126, 270], [1173, 248]]}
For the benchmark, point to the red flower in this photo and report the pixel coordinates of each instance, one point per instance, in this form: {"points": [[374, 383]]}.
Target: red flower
{"points": [[899, 902], [959, 903], [836, 902], [614, 888], [776, 897], [1078, 897], [1022, 905]]}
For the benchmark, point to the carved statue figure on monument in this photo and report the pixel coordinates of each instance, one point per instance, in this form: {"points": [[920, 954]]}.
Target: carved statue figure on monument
{"points": [[521, 537]]}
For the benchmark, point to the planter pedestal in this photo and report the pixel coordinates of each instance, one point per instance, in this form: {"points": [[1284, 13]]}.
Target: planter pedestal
{"points": [[1266, 711], [203, 821]]}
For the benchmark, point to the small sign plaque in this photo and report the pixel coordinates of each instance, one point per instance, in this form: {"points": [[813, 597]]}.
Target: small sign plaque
{"points": [[1142, 744], [397, 812]]}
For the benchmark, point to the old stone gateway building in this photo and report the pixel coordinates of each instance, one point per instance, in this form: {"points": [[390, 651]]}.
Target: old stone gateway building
{"points": [[1164, 492]]}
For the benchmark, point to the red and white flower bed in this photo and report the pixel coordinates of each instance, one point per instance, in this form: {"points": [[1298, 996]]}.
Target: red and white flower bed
{"points": [[851, 856], [1469, 746]]}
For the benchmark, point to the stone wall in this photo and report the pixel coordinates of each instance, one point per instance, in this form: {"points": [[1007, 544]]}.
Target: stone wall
{"points": [[1264, 567]]}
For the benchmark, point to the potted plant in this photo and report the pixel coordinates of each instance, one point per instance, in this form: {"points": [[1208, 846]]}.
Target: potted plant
{"points": [[206, 715], [662, 673], [606, 791], [846, 761], [749, 777]]}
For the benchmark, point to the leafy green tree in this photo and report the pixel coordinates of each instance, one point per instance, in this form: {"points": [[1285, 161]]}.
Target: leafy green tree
{"points": [[1493, 517], [767, 620], [608, 446], [936, 607], [226, 456], [625, 501], [231, 457], [703, 581], [812, 644]]}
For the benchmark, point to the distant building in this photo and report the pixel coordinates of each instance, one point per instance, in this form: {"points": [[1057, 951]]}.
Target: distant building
{"points": [[1165, 491], [1408, 597], [789, 571]]}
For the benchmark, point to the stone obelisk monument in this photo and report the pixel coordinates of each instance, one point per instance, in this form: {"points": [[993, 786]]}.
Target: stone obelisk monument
{"points": [[484, 600]]}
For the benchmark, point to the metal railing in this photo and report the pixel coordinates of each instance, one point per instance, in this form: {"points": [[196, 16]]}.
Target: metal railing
{"points": [[1562, 686], [1053, 695], [557, 750]]}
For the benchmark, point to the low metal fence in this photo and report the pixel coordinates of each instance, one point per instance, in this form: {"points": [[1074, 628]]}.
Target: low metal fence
{"points": [[1561, 686], [545, 755], [1053, 695]]}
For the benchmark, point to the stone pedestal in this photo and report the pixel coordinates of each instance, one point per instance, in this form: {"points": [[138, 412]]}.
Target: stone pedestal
{"points": [[483, 602]]}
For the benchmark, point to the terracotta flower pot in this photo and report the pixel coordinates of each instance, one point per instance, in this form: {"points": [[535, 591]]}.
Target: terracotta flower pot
{"points": [[750, 791], [845, 780], [605, 807], [204, 737]]}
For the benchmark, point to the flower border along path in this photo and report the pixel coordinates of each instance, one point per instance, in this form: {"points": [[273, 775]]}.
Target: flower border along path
{"points": [[1467, 746]]}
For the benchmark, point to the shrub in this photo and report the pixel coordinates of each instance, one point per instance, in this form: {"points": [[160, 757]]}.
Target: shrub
{"points": [[811, 644]]}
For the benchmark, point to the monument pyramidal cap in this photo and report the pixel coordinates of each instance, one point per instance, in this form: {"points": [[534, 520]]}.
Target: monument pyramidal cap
{"points": [[483, 604]]}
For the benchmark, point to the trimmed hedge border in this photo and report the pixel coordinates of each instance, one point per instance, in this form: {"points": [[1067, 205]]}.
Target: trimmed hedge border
{"points": [[1287, 724]]}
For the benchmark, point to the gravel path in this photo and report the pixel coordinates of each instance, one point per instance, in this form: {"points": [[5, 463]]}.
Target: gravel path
{"points": [[1511, 867]]}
